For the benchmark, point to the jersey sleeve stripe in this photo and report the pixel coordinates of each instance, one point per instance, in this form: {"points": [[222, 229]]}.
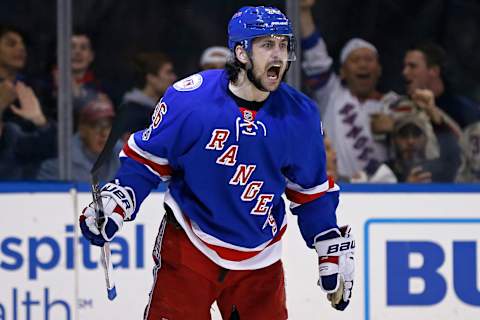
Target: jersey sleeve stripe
{"points": [[163, 170], [314, 190], [298, 196], [302, 198], [144, 154]]}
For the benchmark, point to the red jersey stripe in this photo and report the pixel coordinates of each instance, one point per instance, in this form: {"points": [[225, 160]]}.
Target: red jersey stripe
{"points": [[163, 170], [237, 255], [302, 198]]}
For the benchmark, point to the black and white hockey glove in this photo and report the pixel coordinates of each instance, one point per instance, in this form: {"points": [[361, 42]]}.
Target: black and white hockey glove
{"points": [[118, 206], [336, 265]]}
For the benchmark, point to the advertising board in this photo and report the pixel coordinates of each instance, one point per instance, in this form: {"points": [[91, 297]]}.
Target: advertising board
{"points": [[417, 257]]}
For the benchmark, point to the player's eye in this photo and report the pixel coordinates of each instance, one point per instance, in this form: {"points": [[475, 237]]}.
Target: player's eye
{"points": [[267, 44]]}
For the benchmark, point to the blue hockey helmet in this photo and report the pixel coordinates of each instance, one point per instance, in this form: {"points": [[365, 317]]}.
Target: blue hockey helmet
{"points": [[252, 22]]}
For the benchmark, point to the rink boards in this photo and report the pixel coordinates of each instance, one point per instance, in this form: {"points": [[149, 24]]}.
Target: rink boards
{"points": [[417, 256]]}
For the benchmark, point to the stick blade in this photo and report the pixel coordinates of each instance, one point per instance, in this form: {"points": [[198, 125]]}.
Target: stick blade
{"points": [[112, 293]]}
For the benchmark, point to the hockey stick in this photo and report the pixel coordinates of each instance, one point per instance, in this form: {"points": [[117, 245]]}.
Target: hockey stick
{"points": [[105, 256]]}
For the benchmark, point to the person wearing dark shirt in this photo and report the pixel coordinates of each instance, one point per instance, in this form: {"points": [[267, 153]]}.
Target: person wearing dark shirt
{"points": [[418, 156], [13, 57], [424, 69], [21, 151], [154, 73], [85, 86]]}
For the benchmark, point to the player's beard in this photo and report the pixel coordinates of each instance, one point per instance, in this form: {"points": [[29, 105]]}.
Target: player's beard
{"points": [[257, 80]]}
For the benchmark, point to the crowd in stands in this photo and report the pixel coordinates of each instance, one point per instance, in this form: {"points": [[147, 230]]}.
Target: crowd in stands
{"points": [[389, 137], [427, 134]]}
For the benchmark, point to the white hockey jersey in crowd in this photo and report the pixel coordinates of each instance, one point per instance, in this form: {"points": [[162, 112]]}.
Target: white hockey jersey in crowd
{"points": [[345, 119]]}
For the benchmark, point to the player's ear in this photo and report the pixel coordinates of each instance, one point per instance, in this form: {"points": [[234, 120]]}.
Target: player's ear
{"points": [[241, 54]]}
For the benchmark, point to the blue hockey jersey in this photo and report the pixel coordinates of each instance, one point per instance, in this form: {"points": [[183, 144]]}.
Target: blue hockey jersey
{"points": [[227, 169]]}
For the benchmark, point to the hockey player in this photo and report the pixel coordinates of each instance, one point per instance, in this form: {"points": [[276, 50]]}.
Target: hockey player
{"points": [[230, 143]]}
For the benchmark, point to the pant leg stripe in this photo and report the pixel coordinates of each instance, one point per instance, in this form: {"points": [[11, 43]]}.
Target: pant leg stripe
{"points": [[158, 262]]}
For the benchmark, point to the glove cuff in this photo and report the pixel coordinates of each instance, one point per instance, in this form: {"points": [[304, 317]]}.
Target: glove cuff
{"points": [[332, 243], [124, 197]]}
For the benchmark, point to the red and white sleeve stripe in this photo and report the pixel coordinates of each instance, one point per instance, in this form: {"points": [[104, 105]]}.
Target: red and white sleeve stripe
{"points": [[157, 165], [298, 195]]}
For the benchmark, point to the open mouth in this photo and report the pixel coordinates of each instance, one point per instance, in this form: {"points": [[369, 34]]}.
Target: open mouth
{"points": [[273, 72], [363, 76]]}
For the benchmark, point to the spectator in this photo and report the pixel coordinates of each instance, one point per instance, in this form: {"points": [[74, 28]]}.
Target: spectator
{"points": [[424, 69], [470, 142], [417, 155], [154, 75], [85, 86], [13, 57], [378, 173], [443, 128], [446, 129], [20, 151], [94, 124], [82, 59], [13, 53], [346, 101], [214, 58]]}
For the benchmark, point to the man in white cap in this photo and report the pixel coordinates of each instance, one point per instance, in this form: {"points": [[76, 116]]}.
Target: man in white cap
{"points": [[347, 100], [214, 58]]}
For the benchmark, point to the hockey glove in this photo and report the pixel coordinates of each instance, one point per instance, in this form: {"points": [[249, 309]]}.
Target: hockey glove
{"points": [[336, 265], [118, 206]]}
